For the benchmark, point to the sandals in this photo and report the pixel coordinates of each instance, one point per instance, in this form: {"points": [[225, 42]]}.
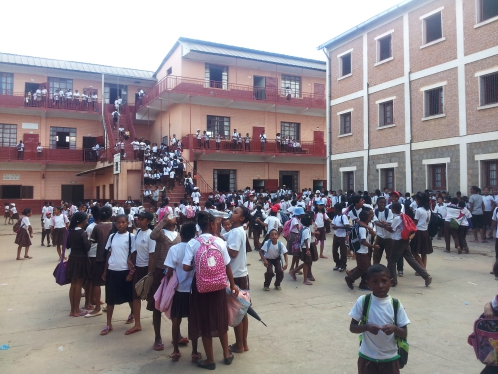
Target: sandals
{"points": [[130, 319], [308, 283], [106, 330], [175, 356], [183, 341], [29, 257], [228, 361], [158, 346], [232, 349], [293, 276], [206, 366], [196, 357], [132, 331]]}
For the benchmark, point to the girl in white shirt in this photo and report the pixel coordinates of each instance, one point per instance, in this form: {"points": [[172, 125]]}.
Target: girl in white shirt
{"points": [[307, 254], [294, 232], [118, 286], [320, 219], [24, 235], [58, 229], [421, 244]]}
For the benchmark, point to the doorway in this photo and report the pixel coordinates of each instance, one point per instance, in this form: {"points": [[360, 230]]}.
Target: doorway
{"points": [[289, 179], [259, 84], [62, 141], [224, 180], [30, 141], [258, 184], [72, 192], [113, 91], [31, 87]]}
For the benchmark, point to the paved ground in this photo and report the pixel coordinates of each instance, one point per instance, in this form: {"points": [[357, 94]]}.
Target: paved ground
{"points": [[307, 325]]}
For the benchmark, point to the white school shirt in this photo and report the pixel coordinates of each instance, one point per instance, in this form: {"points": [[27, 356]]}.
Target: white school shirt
{"points": [[39, 148], [273, 223], [466, 216], [195, 196], [295, 221], [59, 222], [262, 137], [320, 219], [237, 241], [199, 136], [383, 233], [118, 261], [397, 225], [46, 223], [144, 245], [194, 245], [174, 260], [172, 173], [423, 216], [93, 246], [13, 210], [441, 209], [352, 215], [380, 346], [488, 203], [25, 223], [272, 250], [495, 218], [364, 234], [340, 220]]}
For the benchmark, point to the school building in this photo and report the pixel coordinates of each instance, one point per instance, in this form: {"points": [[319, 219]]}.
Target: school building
{"points": [[414, 98], [199, 85]]}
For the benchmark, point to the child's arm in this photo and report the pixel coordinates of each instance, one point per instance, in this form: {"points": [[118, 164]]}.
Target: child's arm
{"points": [[367, 244], [356, 328], [489, 311], [286, 262], [262, 255], [233, 287], [393, 329]]}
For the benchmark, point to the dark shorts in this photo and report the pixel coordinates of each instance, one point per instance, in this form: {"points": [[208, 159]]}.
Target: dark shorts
{"points": [[242, 282], [478, 221]]}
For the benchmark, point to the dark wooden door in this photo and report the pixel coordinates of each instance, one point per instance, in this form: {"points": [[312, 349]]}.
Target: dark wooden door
{"points": [[30, 142], [271, 184], [318, 143], [256, 132], [271, 88]]}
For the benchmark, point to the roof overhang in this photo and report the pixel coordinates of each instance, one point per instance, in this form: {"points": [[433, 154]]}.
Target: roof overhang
{"points": [[94, 170]]}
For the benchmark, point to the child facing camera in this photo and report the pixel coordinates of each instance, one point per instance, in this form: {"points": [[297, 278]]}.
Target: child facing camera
{"points": [[271, 253]]}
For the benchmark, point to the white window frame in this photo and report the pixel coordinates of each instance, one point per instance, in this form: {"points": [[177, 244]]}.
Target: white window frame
{"points": [[431, 87], [340, 56], [484, 157], [479, 76], [351, 124], [380, 167], [377, 42], [422, 18], [381, 101], [347, 169], [435, 161], [480, 23]]}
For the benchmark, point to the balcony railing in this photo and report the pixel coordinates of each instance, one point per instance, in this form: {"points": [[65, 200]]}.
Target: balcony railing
{"points": [[52, 155], [254, 147], [20, 100], [236, 92]]}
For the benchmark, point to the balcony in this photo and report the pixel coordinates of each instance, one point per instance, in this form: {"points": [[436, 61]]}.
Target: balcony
{"points": [[19, 102], [173, 89], [308, 152], [59, 156]]}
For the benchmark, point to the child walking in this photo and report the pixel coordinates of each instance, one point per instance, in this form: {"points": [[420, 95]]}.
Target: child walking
{"points": [[118, 290], [6, 215], [383, 321], [58, 228], [14, 216], [271, 254], [181, 299], [340, 223], [24, 235], [78, 265], [46, 220], [307, 253], [296, 227], [320, 219]]}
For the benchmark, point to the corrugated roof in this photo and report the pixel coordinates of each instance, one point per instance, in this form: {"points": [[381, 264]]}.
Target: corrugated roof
{"points": [[75, 66], [250, 54], [367, 23]]}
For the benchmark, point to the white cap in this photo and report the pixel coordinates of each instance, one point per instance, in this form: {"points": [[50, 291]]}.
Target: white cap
{"points": [[12, 204], [317, 191]]}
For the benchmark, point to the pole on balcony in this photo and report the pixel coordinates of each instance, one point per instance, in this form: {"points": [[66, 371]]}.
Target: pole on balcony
{"points": [[328, 120]]}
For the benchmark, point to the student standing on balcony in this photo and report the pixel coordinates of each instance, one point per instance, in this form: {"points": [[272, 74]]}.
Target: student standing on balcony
{"points": [[262, 138], [76, 99], [95, 98], [235, 136], [39, 150], [141, 94], [174, 141], [20, 150], [247, 143], [44, 96], [37, 96], [199, 137], [279, 144], [206, 139], [56, 98], [218, 141], [288, 93], [239, 141], [69, 98]]}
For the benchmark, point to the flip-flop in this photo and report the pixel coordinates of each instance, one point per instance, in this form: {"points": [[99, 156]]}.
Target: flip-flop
{"points": [[228, 360], [130, 319], [82, 314], [175, 356], [158, 346], [89, 307], [90, 315], [196, 357], [106, 330], [293, 276], [183, 341], [28, 257], [132, 331], [231, 348], [308, 283]]}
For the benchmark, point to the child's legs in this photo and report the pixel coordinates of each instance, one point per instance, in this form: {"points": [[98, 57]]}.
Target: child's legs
{"points": [[87, 286], [462, 236], [44, 233], [417, 257], [279, 272], [407, 254], [175, 330], [96, 293], [26, 250], [424, 260], [110, 310], [447, 239], [362, 265], [48, 236], [378, 252], [335, 250], [397, 250], [306, 270], [454, 235], [401, 263], [269, 273], [370, 367], [59, 252], [137, 306], [295, 262], [156, 321], [344, 253]]}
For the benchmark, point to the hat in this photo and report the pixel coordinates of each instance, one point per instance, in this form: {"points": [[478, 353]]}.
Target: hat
{"points": [[12, 204], [298, 211], [277, 206], [319, 202], [146, 215], [48, 214], [274, 209], [232, 204], [317, 191], [395, 193]]}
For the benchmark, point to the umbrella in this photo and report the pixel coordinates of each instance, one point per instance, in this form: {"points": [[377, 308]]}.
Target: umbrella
{"points": [[253, 314]]}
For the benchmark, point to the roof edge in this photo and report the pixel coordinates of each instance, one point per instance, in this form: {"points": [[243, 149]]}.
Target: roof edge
{"points": [[168, 55]]}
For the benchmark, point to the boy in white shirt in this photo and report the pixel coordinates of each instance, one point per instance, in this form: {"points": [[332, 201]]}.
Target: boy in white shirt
{"points": [[380, 319], [339, 224], [196, 195], [271, 254], [47, 219]]}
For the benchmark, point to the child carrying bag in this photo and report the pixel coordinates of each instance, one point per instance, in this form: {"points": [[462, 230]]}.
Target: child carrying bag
{"points": [[60, 269], [484, 339], [237, 306], [209, 266]]}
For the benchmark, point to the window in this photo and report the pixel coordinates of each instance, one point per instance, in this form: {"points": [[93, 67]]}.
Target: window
{"points": [[387, 178], [216, 76], [169, 71], [345, 123], [8, 135], [289, 129], [217, 125], [62, 137], [489, 88], [345, 65], [348, 179], [16, 192], [6, 84], [384, 49], [490, 170], [487, 9], [60, 83], [386, 113], [433, 28], [294, 83], [438, 177], [433, 102]]}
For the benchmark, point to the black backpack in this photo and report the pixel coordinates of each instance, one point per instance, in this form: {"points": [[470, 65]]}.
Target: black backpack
{"points": [[257, 214], [354, 238], [408, 209], [435, 223]]}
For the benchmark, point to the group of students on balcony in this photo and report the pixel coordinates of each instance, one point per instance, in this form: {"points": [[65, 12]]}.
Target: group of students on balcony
{"points": [[63, 99]]}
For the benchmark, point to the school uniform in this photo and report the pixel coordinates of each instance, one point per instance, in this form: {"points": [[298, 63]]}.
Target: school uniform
{"points": [[421, 242], [340, 258], [99, 236], [320, 219], [46, 230], [440, 209], [78, 264], [117, 289], [181, 299], [59, 224], [22, 237], [13, 213], [144, 246], [208, 314], [7, 212], [273, 253], [452, 212], [306, 237], [384, 238], [362, 260], [236, 241], [293, 235]]}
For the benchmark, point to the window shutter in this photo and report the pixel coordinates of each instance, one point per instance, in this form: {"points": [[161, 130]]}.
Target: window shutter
{"points": [[26, 192]]}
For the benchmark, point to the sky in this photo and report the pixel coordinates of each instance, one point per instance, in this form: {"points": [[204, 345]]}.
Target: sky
{"points": [[138, 34]]}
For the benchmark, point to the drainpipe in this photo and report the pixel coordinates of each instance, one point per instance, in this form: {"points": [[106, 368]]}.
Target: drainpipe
{"points": [[328, 119], [103, 116], [368, 133]]}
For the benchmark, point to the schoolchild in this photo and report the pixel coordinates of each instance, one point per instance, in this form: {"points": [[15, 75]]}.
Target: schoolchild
{"points": [[78, 265], [256, 216], [236, 246], [296, 227], [308, 252], [118, 287], [226, 226], [181, 298], [271, 223], [271, 253], [58, 228], [362, 255], [440, 208], [320, 219], [382, 219], [340, 224], [46, 221], [7, 214], [421, 244], [87, 284], [464, 226], [247, 143], [24, 235], [378, 349], [14, 215]]}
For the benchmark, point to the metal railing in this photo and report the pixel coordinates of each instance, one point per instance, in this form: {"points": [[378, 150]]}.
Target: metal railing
{"points": [[239, 92], [12, 154], [21, 100], [199, 181]]}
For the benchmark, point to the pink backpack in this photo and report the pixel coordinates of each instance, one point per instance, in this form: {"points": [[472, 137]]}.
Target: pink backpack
{"points": [[162, 212], [209, 266], [287, 228], [484, 339], [189, 212]]}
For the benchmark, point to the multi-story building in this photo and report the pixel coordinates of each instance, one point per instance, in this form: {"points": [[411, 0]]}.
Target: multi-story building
{"points": [[414, 98], [199, 85]]}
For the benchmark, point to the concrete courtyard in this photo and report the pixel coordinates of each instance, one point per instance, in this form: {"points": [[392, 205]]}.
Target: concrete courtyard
{"points": [[308, 326]]}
